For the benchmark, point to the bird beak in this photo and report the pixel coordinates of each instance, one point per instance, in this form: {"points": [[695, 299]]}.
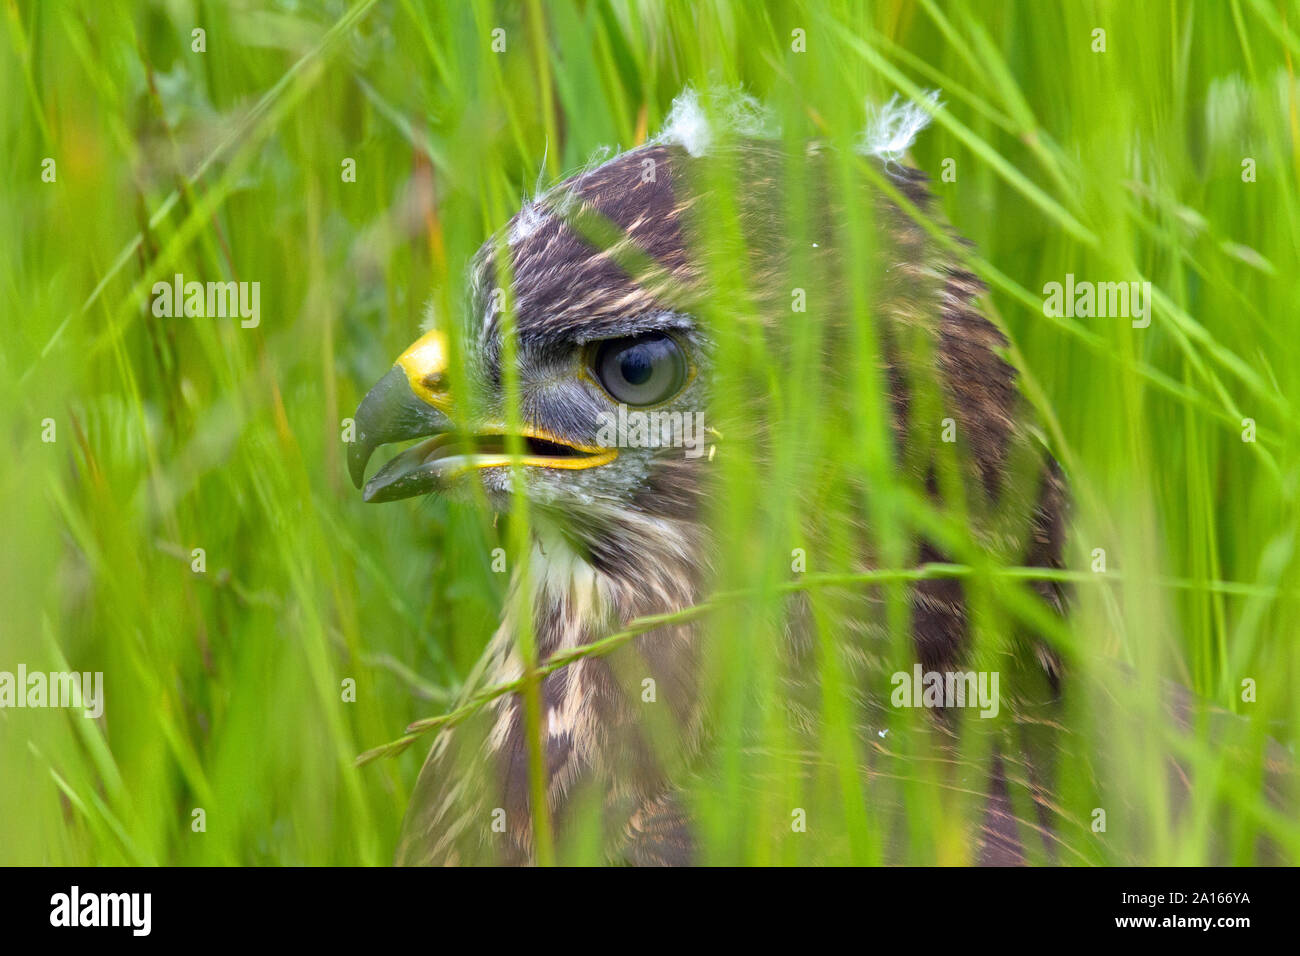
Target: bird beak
{"points": [[412, 401], [409, 402]]}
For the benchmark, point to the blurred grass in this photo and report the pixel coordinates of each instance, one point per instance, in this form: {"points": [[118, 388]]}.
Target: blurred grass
{"points": [[224, 688]]}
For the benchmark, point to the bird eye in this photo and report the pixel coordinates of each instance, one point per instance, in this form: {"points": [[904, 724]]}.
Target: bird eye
{"points": [[641, 370]]}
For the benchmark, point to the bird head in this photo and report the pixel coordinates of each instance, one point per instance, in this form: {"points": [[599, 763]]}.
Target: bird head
{"points": [[580, 310], [587, 358]]}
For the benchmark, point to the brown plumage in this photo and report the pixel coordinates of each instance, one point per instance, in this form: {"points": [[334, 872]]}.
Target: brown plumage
{"points": [[611, 255]]}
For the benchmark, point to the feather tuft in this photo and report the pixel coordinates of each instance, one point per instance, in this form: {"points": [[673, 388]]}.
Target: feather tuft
{"points": [[892, 128]]}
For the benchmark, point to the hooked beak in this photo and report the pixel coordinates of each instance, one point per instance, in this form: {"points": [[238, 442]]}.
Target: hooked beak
{"points": [[412, 401]]}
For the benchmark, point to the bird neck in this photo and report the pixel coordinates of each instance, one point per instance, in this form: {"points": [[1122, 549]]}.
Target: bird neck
{"points": [[588, 581]]}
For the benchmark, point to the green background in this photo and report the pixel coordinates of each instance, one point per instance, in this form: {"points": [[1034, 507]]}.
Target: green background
{"points": [[171, 434]]}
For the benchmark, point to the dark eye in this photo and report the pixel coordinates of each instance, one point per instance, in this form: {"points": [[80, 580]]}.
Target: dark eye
{"points": [[643, 370]]}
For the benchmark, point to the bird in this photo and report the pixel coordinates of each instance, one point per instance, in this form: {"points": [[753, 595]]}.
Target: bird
{"points": [[603, 281]]}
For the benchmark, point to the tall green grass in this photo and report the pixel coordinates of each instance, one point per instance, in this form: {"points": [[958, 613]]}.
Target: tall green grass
{"points": [[224, 688]]}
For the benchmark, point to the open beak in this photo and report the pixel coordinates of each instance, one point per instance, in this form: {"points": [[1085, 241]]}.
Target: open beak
{"points": [[412, 401]]}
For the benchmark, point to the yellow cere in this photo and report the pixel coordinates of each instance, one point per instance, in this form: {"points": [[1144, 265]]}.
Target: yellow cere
{"points": [[423, 360]]}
